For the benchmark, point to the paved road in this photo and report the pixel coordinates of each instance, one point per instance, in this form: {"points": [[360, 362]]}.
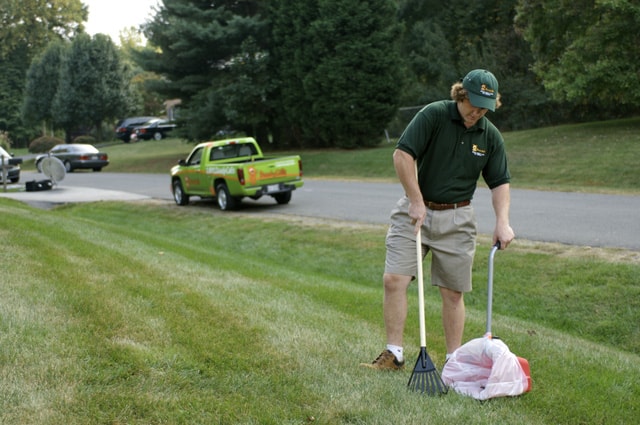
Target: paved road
{"points": [[571, 218]]}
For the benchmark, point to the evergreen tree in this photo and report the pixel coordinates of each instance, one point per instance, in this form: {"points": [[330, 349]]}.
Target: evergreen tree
{"points": [[245, 96], [93, 86], [196, 45], [42, 85], [292, 58], [428, 47], [339, 69], [12, 70], [444, 41], [432, 61], [112, 94]]}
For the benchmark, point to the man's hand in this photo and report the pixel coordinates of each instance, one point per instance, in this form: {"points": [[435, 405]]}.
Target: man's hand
{"points": [[417, 212], [504, 234], [406, 169]]}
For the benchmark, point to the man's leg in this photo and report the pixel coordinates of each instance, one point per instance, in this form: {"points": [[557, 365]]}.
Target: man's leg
{"points": [[395, 315], [453, 314], [395, 306], [400, 265]]}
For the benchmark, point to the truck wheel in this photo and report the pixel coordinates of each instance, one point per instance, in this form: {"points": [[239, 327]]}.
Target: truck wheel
{"points": [[179, 196], [283, 198], [226, 202], [157, 135]]}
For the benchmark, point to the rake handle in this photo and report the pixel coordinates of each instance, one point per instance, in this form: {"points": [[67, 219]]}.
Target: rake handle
{"points": [[420, 277]]}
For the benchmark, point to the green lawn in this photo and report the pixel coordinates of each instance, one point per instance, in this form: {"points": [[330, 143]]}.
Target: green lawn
{"points": [[149, 313], [115, 313]]}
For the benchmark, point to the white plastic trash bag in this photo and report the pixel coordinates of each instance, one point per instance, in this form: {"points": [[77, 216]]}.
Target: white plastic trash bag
{"points": [[484, 368]]}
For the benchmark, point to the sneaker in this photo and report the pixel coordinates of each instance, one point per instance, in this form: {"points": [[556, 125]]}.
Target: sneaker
{"points": [[385, 361]]}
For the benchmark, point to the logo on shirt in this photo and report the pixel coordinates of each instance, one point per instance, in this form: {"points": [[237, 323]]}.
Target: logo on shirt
{"points": [[477, 151]]}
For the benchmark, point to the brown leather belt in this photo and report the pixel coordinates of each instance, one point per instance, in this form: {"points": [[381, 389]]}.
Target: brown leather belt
{"points": [[439, 207]]}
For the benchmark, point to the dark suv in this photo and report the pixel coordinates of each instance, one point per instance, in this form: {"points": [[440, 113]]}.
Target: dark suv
{"points": [[155, 129], [125, 127]]}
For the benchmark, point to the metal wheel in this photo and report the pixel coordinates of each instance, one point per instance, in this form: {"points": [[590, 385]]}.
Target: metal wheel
{"points": [[179, 196], [226, 202]]}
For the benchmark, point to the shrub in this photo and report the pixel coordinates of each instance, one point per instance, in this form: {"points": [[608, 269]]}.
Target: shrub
{"points": [[85, 139], [44, 143]]}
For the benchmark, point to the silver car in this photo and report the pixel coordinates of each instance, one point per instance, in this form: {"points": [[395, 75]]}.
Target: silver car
{"points": [[75, 156]]}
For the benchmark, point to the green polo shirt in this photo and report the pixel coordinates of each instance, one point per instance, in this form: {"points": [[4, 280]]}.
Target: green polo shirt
{"points": [[450, 156]]}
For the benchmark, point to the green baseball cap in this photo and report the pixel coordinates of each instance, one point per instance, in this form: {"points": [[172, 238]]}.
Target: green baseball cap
{"points": [[482, 87]]}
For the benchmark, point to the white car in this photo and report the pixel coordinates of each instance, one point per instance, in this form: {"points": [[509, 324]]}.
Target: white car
{"points": [[9, 166]]}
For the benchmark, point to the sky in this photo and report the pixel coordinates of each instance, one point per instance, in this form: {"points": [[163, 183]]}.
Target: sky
{"points": [[112, 16]]}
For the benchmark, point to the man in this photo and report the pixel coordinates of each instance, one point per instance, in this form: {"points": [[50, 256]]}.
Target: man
{"points": [[451, 143]]}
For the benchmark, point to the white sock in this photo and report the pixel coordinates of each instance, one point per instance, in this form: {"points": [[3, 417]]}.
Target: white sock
{"points": [[448, 356], [397, 351]]}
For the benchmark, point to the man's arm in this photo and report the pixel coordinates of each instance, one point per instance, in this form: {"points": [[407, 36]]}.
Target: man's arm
{"points": [[406, 170], [501, 200]]}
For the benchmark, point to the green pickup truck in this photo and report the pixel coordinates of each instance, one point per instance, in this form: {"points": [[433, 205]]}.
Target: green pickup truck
{"points": [[232, 169]]}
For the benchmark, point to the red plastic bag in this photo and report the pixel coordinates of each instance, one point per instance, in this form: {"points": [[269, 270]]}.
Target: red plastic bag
{"points": [[484, 368]]}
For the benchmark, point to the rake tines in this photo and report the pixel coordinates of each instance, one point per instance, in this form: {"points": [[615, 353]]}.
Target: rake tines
{"points": [[425, 378]]}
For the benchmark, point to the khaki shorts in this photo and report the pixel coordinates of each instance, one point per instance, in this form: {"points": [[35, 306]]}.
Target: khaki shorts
{"points": [[450, 235]]}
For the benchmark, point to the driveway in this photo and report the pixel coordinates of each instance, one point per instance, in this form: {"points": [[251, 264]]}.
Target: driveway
{"points": [[571, 218]]}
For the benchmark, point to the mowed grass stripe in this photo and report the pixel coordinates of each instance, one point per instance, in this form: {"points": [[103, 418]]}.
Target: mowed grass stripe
{"points": [[189, 320]]}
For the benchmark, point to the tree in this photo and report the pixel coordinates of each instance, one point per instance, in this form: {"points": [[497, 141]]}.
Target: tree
{"points": [[585, 51], [94, 86], [43, 77], [429, 46], [445, 40], [338, 66], [112, 94], [32, 24], [144, 101], [431, 60], [340, 84], [245, 96], [291, 59], [195, 46], [12, 69], [26, 27]]}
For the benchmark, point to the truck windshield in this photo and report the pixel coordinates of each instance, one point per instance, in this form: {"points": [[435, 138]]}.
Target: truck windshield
{"points": [[194, 158]]}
